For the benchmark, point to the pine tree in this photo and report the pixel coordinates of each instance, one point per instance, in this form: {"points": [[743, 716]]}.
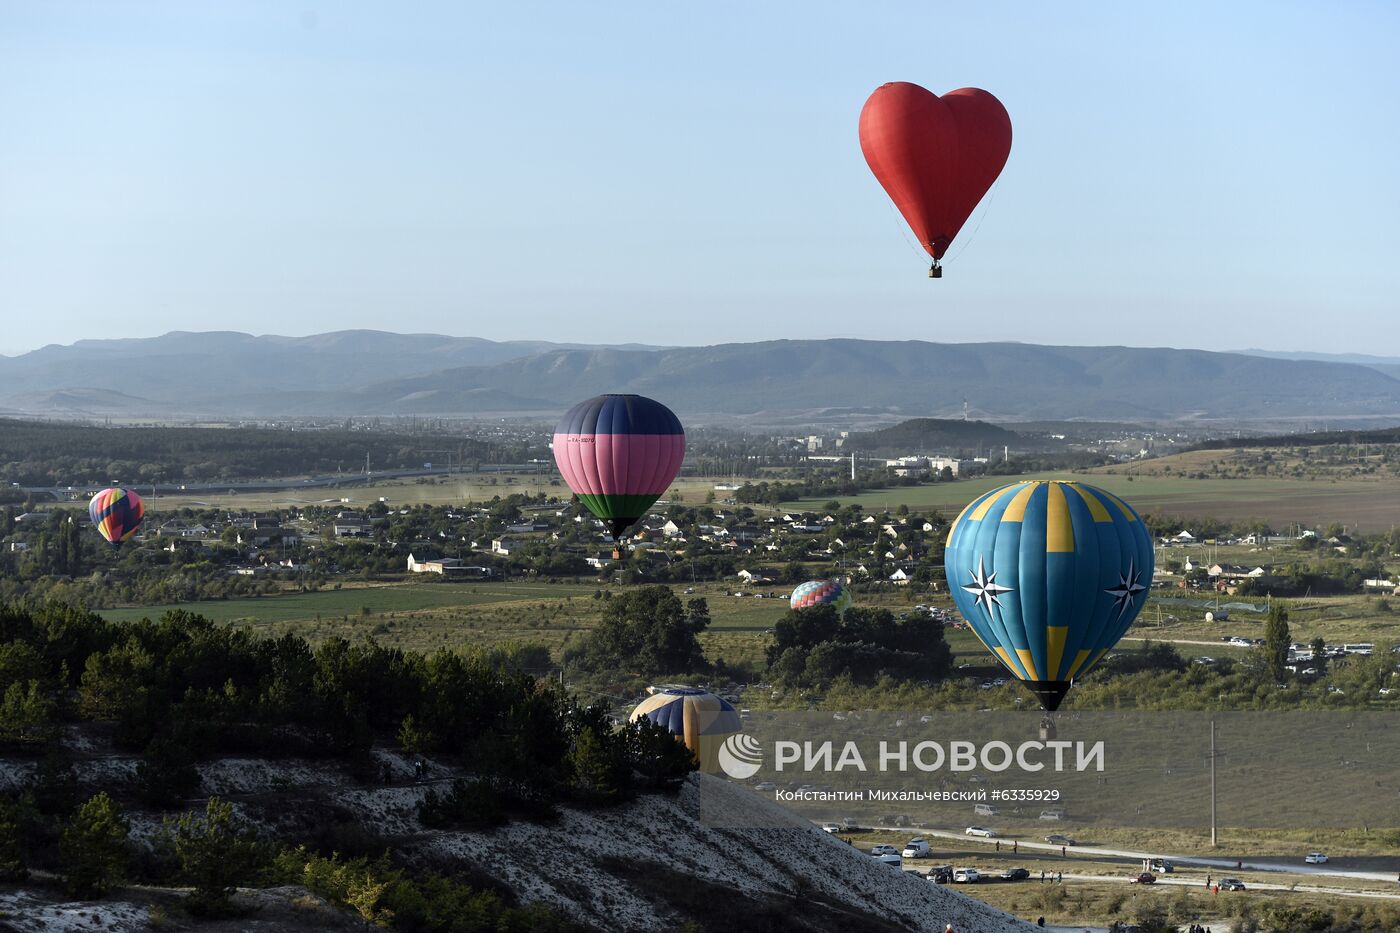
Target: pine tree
{"points": [[11, 844], [94, 847], [215, 852]]}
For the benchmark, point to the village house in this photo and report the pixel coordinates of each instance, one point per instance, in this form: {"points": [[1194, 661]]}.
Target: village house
{"points": [[434, 564]]}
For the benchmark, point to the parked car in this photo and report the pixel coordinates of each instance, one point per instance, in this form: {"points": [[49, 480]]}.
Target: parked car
{"points": [[1231, 884], [1145, 877], [765, 786], [1164, 865], [916, 848], [941, 874], [1315, 858], [966, 876], [982, 831], [830, 828], [1059, 839], [889, 860], [1054, 813], [1016, 874], [883, 850], [985, 809]]}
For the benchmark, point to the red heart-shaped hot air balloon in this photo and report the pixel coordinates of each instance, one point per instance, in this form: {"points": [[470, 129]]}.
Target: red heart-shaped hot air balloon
{"points": [[935, 156]]}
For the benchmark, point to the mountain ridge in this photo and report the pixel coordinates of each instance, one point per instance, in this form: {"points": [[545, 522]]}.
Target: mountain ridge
{"points": [[368, 373]]}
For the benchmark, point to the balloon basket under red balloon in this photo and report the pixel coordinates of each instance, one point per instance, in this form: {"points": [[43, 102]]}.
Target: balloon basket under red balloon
{"points": [[935, 271]]}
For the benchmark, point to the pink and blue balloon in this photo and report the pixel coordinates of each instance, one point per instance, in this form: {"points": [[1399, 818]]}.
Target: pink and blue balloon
{"points": [[619, 454]]}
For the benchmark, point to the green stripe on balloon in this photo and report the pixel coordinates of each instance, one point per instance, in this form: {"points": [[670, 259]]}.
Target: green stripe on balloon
{"points": [[614, 508]]}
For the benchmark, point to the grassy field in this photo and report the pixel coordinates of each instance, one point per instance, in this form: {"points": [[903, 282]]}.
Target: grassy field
{"points": [[1365, 504]]}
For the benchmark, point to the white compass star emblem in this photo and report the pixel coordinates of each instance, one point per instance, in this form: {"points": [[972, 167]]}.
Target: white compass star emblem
{"points": [[984, 587], [1127, 589]]}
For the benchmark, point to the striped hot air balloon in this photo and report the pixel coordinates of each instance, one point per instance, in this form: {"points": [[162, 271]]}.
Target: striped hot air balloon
{"points": [[820, 593], [619, 454], [1049, 575], [696, 717], [117, 513]]}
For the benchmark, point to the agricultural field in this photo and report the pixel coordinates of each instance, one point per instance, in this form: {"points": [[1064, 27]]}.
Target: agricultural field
{"points": [[1365, 504], [445, 489]]}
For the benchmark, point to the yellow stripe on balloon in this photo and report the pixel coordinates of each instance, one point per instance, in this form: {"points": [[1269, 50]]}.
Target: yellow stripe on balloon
{"points": [[1096, 507], [1006, 660], [1055, 648], [1059, 527], [981, 511], [1122, 506], [1079, 660], [1016, 509], [1028, 662]]}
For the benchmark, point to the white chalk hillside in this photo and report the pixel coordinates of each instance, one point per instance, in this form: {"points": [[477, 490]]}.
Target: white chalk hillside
{"points": [[647, 865], [581, 864]]}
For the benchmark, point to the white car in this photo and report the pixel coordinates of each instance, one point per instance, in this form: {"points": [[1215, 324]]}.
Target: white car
{"points": [[830, 828], [982, 831], [883, 850], [889, 860], [917, 848], [1315, 858], [965, 876]]}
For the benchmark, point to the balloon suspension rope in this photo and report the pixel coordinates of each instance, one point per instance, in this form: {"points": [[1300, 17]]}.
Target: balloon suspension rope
{"points": [[983, 216]]}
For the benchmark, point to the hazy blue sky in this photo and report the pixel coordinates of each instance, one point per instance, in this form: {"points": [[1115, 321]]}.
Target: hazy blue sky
{"points": [[1218, 175]]}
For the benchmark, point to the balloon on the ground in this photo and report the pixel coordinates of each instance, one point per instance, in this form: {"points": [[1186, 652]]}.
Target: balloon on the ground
{"points": [[1049, 575], [619, 454], [698, 718], [117, 513], [934, 156], [821, 593]]}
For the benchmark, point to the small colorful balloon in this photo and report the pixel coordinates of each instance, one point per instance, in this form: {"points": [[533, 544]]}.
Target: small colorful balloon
{"points": [[117, 513], [821, 593]]}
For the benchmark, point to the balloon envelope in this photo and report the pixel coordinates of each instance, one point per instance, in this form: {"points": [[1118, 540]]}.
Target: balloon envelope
{"points": [[934, 156], [117, 513], [696, 717], [619, 454], [1049, 575], [820, 593]]}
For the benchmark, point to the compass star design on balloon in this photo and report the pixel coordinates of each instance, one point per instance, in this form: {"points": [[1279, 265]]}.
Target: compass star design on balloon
{"points": [[984, 587], [1127, 589]]}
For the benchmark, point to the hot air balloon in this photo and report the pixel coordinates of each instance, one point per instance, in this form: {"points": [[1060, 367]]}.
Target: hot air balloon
{"points": [[619, 454], [934, 156], [696, 717], [820, 593], [1049, 575], [117, 513]]}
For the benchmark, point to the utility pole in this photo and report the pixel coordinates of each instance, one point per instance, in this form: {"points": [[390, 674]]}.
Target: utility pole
{"points": [[1212, 783]]}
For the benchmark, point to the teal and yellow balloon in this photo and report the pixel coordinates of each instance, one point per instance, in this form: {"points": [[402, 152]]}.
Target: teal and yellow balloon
{"points": [[1049, 575]]}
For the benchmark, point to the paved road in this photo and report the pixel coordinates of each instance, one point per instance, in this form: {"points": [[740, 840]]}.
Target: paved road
{"points": [[1226, 865], [1191, 641]]}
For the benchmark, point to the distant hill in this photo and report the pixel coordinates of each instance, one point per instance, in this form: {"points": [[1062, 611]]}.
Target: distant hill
{"points": [[373, 373], [934, 435], [194, 372], [1390, 365], [1001, 381]]}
